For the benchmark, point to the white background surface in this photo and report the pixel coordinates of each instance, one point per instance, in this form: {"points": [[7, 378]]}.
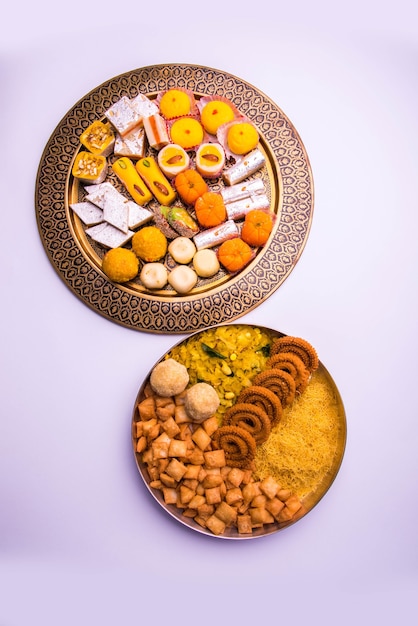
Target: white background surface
{"points": [[81, 542]]}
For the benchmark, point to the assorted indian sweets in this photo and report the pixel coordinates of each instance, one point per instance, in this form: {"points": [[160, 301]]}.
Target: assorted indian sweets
{"points": [[190, 204], [236, 425]]}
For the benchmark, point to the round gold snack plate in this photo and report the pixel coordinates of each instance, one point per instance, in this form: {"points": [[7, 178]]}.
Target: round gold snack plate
{"points": [[288, 180], [320, 484]]}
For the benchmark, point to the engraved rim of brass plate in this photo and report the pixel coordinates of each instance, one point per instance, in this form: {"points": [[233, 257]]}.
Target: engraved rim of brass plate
{"points": [[310, 501], [223, 300]]}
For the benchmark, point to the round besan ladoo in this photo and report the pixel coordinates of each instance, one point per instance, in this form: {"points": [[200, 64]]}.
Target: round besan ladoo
{"points": [[169, 378], [201, 402]]}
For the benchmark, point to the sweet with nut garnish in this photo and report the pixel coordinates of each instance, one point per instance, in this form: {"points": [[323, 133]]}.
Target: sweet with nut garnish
{"points": [[146, 147]]}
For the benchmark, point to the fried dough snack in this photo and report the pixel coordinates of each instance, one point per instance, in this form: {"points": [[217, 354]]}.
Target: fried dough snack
{"points": [[238, 445], [291, 363], [265, 399], [250, 417], [279, 382], [298, 346], [207, 470]]}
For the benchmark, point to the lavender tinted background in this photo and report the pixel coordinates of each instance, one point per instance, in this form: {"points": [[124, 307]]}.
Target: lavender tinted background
{"points": [[81, 542]]}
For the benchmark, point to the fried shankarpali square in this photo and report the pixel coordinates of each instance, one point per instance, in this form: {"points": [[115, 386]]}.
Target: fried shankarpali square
{"points": [[235, 476], [176, 469], [244, 525], [250, 491], [141, 444], [191, 483], [274, 506], [189, 512], [168, 481], [259, 500], [234, 496], [195, 478], [170, 427], [212, 479], [195, 457], [215, 458], [177, 448], [146, 409], [213, 495], [170, 495], [226, 513], [284, 494], [216, 525], [210, 425], [193, 471], [293, 504], [285, 515], [201, 438], [197, 501], [159, 450], [269, 487], [149, 425], [180, 414], [186, 494], [260, 515], [205, 510], [165, 412]]}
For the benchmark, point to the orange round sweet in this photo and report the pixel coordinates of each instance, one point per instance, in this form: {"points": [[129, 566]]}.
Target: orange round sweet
{"points": [[175, 103], [190, 185], [234, 254], [242, 137], [210, 209], [187, 132], [257, 227], [214, 114], [120, 265]]}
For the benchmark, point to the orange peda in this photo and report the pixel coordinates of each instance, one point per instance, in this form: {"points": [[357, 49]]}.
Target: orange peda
{"points": [[257, 227], [210, 209], [234, 254], [190, 185]]}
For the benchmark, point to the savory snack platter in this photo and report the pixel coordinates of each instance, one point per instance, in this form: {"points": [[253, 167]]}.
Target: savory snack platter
{"points": [[238, 431], [285, 177]]}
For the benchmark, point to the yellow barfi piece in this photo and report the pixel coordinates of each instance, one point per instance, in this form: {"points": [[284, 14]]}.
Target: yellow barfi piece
{"points": [[89, 168], [128, 175], [98, 138], [156, 181]]}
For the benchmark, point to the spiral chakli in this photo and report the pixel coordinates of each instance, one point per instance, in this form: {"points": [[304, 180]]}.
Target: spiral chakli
{"points": [[238, 445], [298, 346], [250, 417], [291, 363], [265, 399], [279, 382]]}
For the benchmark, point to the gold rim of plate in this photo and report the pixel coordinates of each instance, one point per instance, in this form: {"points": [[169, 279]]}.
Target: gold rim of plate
{"points": [[288, 180], [309, 500]]}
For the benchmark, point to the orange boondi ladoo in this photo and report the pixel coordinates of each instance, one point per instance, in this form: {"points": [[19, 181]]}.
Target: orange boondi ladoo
{"points": [[257, 227], [190, 185], [234, 254], [210, 209]]}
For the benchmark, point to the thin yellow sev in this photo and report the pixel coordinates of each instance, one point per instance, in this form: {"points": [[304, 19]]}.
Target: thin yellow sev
{"points": [[301, 448]]}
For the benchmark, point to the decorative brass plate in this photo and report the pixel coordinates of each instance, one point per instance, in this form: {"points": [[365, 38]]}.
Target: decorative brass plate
{"points": [[288, 181], [317, 484]]}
